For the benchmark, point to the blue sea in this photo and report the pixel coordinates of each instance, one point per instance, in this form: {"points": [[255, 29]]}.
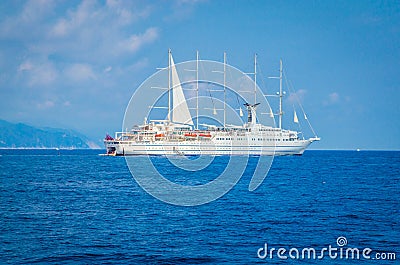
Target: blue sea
{"points": [[76, 207]]}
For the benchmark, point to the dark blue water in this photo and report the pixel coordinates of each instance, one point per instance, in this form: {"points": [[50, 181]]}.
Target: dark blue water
{"points": [[75, 207]]}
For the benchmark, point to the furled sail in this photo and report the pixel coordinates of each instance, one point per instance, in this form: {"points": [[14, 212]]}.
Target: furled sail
{"points": [[271, 113], [295, 119], [180, 110]]}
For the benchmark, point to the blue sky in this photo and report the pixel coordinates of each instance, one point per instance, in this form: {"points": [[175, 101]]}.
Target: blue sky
{"points": [[74, 64]]}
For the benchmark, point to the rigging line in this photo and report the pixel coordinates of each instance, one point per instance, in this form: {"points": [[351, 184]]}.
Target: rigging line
{"points": [[237, 99], [263, 85], [230, 77], [201, 69], [289, 85], [209, 92]]}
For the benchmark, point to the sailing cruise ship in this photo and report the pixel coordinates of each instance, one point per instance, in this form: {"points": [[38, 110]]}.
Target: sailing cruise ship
{"points": [[179, 135]]}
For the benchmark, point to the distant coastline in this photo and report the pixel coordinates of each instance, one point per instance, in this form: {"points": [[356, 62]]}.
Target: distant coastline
{"points": [[23, 136]]}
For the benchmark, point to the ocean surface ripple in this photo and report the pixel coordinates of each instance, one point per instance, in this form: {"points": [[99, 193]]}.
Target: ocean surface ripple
{"points": [[75, 207]]}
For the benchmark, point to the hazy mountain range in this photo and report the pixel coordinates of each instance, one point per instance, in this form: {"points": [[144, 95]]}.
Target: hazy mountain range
{"points": [[20, 135]]}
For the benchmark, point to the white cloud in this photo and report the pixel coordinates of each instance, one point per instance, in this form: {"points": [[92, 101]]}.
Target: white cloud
{"points": [[94, 33], [39, 73], [28, 22], [84, 13], [297, 96], [183, 8], [139, 65], [136, 41], [45, 105], [44, 75], [51, 50], [333, 97], [128, 12], [36, 10], [25, 66], [80, 72], [61, 28]]}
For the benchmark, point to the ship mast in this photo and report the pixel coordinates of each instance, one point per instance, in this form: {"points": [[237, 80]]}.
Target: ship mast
{"points": [[280, 95], [197, 90], [255, 78], [169, 85], [224, 89]]}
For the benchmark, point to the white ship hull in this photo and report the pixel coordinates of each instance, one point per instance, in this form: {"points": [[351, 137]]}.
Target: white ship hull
{"points": [[125, 148]]}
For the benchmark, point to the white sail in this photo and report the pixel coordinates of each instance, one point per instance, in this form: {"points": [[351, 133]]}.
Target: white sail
{"points": [[214, 111], [180, 110], [295, 119]]}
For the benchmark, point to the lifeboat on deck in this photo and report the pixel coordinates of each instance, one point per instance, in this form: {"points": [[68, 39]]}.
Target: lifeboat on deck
{"points": [[190, 135], [205, 135]]}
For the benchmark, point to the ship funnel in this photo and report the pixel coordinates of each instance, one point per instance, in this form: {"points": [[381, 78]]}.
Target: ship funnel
{"points": [[251, 113]]}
